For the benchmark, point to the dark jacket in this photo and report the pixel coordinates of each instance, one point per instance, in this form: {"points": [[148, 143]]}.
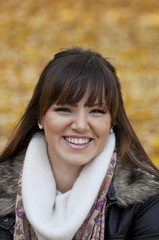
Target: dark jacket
{"points": [[139, 221], [133, 203]]}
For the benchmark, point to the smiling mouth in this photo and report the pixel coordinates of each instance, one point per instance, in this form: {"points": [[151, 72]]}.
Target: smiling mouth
{"points": [[78, 141]]}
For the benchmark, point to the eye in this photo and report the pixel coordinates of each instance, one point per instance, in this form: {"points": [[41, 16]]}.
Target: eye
{"points": [[61, 109], [98, 111]]}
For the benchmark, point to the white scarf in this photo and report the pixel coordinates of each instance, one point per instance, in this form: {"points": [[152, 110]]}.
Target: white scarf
{"points": [[53, 216]]}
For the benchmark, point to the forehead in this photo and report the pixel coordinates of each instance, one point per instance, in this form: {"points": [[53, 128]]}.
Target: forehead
{"points": [[84, 102], [86, 95]]}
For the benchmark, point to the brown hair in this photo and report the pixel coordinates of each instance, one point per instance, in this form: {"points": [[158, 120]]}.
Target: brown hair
{"points": [[65, 79]]}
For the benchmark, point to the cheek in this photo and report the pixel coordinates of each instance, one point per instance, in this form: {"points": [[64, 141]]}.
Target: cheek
{"points": [[103, 137], [50, 126], [103, 128], [53, 124]]}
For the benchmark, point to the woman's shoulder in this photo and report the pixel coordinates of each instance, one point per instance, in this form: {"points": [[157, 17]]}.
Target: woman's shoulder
{"points": [[136, 221], [134, 185], [134, 202], [9, 175], [7, 227]]}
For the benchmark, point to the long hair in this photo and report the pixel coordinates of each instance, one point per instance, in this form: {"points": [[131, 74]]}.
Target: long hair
{"points": [[65, 80]]}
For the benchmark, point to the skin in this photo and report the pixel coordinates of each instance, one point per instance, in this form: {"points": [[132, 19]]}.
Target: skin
{"points": [[75, 135]]}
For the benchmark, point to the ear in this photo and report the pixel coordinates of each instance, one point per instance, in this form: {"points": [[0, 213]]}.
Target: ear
{"points": [[40, 125]]}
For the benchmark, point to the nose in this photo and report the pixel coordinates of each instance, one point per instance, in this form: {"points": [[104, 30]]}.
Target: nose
{"points": [[80, 122]]}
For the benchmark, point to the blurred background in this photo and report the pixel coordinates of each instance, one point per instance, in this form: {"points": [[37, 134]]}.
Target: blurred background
{"points": [[126, 32]]}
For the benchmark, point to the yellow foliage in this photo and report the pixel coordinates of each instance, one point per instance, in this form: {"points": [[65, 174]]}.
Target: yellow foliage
{"points": [[155, 143], [126, 32], [155, 160]]}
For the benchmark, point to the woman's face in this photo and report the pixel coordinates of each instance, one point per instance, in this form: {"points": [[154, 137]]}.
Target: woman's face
{"points": [[76, 134]]}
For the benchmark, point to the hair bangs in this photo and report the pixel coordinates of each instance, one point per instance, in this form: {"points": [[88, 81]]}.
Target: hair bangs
{"points": [[81, 84], [67, 82]]}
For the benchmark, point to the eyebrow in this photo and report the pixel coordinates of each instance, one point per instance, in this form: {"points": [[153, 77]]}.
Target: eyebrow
{"points": [[93, 105], [98, 104]]}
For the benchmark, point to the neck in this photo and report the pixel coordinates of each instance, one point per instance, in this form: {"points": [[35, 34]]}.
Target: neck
{"points": [[65, 176]]}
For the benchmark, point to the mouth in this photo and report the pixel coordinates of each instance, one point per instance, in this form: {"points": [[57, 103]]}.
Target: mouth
{"points": [[75, 142], [78, 141]]}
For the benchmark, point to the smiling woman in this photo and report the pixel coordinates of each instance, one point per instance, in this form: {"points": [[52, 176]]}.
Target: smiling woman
{"points": [[74, 167], [75, 135]]}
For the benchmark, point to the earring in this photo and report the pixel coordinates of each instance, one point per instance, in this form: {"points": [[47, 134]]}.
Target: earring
{"points": [[111, 130], [40, 125]]}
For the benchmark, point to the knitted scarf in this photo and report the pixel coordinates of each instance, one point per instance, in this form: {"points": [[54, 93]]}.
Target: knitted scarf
{"points": [[92, 227]]}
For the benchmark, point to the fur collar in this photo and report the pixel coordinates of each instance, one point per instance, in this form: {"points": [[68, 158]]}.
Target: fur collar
{"points": [[132, 185], [9, 175]]}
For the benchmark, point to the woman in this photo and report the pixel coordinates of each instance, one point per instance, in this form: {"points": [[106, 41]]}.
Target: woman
{"points": [[74, 168]]}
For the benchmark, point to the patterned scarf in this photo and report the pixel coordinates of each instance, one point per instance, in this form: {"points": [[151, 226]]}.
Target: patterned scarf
{"points": [[93, 226]]}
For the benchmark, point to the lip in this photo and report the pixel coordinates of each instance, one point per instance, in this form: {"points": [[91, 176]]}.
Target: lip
{"points": [[77, 146]]}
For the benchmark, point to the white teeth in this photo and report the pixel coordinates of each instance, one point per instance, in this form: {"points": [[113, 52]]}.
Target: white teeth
{"points": [[77, 140]]}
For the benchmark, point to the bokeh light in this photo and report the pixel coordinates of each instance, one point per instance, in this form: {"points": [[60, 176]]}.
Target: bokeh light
{"points": [[125, 32]]}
